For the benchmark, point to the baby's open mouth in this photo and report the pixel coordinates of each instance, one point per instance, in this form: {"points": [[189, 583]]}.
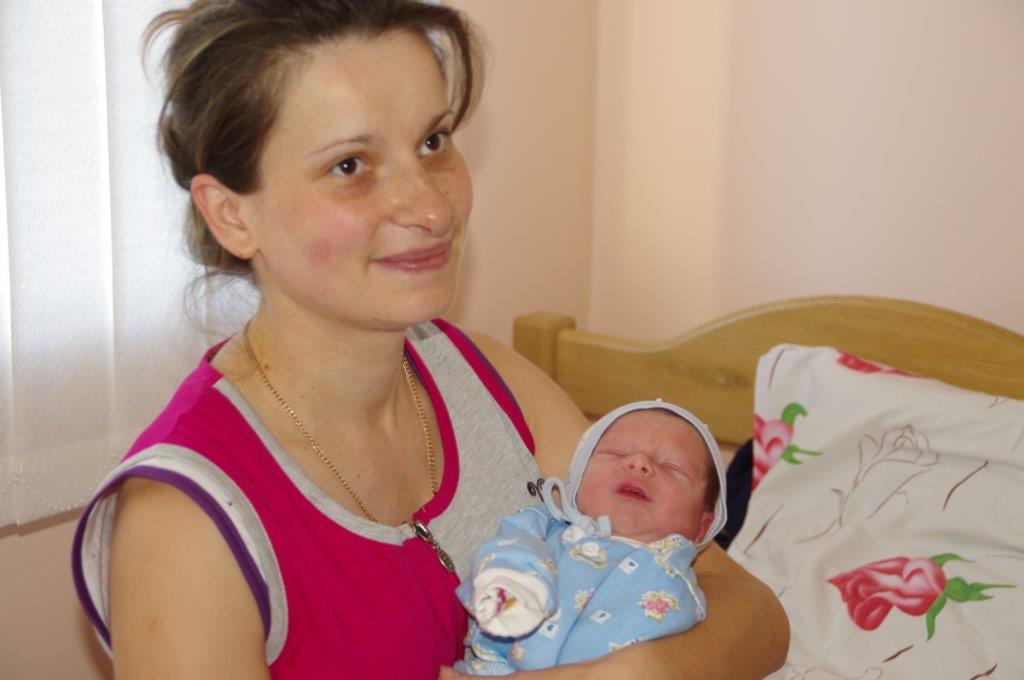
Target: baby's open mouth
{"points": [[632, 491]]}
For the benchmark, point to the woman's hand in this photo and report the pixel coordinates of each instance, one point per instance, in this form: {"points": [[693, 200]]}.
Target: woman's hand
{"points": [[576, 671], [614, 666]]}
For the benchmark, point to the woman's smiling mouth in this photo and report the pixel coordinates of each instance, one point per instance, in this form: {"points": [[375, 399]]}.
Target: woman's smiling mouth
{"points": [[419, 259]]}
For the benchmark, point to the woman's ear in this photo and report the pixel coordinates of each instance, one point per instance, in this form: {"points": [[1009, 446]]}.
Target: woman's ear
{"points": [[219, 206]]}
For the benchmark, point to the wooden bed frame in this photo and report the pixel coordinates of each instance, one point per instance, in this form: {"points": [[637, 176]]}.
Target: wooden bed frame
{"points": [[711, 369]]}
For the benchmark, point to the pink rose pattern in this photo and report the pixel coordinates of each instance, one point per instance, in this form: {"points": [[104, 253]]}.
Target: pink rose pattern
{"points": [[870, 591], [772, 441], [772, 437], [915, 586], [856, 363]]}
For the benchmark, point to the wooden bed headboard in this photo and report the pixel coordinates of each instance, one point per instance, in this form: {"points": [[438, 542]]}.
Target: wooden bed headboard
{"points": [[710, 370]]}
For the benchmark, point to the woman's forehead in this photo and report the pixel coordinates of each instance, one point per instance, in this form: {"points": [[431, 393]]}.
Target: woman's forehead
{"points": [[360, 86]]}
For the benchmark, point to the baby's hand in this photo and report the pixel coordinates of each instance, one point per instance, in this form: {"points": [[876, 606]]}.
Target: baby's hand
{"points": [[449, 673], [509, 603]]}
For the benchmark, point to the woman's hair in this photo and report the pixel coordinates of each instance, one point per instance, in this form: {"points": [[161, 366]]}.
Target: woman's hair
{"points": [[226, 68]]}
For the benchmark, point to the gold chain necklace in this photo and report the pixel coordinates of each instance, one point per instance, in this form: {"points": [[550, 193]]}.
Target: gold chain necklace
{"points": [[318, 450]]}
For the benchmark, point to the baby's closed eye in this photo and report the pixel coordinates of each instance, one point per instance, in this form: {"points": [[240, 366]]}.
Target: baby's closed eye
{"points": [[674, 468]]}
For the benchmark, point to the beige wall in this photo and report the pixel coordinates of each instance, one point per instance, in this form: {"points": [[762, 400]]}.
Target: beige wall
{"points": [[751, 151], [661, 67], [529, 148], [875, 147], [43, 634]]}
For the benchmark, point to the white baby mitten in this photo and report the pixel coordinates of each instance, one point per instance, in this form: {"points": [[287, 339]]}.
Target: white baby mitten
{"points": [[509, 603]]}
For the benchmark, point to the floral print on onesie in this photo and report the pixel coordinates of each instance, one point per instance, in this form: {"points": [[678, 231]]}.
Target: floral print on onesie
{"points": [[558, 595]]}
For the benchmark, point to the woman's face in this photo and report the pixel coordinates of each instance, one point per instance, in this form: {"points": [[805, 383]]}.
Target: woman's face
{"points": [[361, 212]]}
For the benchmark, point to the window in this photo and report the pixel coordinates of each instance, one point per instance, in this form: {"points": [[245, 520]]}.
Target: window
{"points": [[94, 336]]}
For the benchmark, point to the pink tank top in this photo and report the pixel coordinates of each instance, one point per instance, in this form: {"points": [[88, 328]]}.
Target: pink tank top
{"points": [[340, 596]]}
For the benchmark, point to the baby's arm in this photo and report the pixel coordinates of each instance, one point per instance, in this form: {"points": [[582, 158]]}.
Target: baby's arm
{"points": [[512, 585]]}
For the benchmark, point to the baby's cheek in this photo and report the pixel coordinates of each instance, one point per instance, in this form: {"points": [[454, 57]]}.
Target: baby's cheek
{"points": [[587, 498], [582, 496]]}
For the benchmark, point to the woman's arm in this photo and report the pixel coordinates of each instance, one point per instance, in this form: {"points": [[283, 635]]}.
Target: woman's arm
{"points": [[746, 633], [179, 605]]}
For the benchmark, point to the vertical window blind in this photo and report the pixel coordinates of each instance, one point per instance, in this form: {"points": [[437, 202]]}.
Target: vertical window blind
{"points": [[94, 334]]}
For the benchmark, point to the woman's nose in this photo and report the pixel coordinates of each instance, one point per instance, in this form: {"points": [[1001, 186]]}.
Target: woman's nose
{"points": [[420, 202], [639, 463]]}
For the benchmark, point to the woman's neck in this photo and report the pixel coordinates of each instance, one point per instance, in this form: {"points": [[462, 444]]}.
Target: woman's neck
{"points": [[333, 374]]}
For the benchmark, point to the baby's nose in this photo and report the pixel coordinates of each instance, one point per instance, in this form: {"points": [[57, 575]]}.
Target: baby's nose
{"points": [[639, 462]]}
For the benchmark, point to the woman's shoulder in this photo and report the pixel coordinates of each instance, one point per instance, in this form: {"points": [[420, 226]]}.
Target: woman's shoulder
{"points": [[165, 534], [168, 563], [553, 418]]}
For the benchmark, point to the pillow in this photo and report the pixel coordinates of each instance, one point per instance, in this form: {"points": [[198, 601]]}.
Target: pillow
{"points": [[888, 517]]}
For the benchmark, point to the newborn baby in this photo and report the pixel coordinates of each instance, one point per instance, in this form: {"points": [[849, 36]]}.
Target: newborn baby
{"points": [[608, 565]]}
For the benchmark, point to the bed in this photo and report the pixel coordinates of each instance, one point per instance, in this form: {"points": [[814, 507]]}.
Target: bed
{"points": [[887, 509]]}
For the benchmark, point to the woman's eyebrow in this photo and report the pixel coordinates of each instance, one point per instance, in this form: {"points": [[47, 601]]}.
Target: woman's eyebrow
{"points": [[436, 120], [359, 139], [368, 139]]}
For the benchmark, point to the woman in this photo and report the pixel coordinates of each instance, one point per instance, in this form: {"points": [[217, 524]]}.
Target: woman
{"points": [[304, 504]]}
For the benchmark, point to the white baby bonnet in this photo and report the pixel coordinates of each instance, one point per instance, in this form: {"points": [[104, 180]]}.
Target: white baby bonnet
{"points": [[568, 511]]}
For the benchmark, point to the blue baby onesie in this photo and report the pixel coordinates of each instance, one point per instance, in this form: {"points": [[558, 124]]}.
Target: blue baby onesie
{"points": [[601, 593], [554, 586]]}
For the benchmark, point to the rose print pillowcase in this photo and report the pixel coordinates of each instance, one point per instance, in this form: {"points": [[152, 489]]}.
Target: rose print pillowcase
{"points": [[888, 514]]}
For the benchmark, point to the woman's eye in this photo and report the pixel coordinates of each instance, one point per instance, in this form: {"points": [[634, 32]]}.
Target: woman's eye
{"points": [[435, 143], [349, 167]]}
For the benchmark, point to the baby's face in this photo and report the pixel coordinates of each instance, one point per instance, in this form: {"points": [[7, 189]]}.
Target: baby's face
{"points": [[649, 474]]}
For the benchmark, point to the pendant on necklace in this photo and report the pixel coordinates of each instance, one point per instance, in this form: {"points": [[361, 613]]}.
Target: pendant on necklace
{"points": [[423, 532]]}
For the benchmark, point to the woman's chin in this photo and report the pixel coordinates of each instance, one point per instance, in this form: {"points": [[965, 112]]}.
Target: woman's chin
{"points": [[435, 298], [420, 306], [438, 307]]}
